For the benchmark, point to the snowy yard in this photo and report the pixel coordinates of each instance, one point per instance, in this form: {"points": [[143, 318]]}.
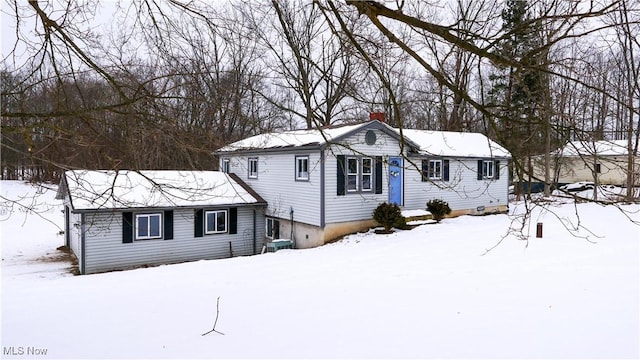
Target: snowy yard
{"points": [[430, 292]]}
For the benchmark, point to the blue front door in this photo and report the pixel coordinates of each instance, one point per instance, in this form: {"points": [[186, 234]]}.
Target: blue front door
{"points": [[395, 180]]}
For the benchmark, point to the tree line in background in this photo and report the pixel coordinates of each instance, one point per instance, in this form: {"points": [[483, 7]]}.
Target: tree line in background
{"points": [[169, 81]]}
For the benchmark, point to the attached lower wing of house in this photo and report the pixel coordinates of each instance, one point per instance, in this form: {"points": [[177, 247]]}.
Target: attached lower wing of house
{"points": [[123, 219]]}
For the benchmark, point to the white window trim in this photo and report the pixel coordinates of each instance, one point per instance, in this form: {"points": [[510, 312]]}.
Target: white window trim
{"points": [[216, 231], [148, 216], [298, 159], [356, 174], [225, 165], [431, 170], [488, 167], [273, 221], [250, 174], [369, 174]]}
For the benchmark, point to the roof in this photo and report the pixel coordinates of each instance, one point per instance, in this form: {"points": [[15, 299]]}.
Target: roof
{"points": [[300, 138], [440, 143], [600, 148], [455, 144], [127, 189]]}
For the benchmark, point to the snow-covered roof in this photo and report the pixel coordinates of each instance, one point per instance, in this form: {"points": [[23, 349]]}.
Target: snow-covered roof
{"points": [[440, 143], [125, 189], [293, 138], [600, 148], [455, 144]]}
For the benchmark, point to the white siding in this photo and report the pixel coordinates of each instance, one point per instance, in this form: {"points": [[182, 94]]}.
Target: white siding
{"points": [[357, 206], [276, 183], [104, 249], [73, 227], [463, 191]]}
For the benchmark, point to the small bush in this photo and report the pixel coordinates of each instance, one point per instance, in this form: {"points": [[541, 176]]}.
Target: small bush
{"points": [[389, 215], [438, 208]]}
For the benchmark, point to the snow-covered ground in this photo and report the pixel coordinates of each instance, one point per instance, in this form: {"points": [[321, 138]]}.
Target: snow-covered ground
{"points": [[430, 292]]}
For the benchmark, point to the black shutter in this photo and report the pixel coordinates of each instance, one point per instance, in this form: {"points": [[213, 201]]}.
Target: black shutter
{"points": [[127, 227], [233, 221], [340, 177], [479, 169], [378, 174], [168, 224], [445, 170], [199, 223], [425, 170], [496, 170]]}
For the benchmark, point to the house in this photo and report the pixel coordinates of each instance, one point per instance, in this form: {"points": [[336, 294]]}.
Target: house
{"points": [[604, 161], [122, 219], [322, 184]]}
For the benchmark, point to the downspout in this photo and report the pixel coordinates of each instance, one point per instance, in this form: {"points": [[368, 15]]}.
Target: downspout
{"points": [[82, 267], [292, 236], [322, 205], [255, 245], [67, 229]]}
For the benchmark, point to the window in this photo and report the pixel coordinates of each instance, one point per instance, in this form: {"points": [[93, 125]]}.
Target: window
{"points": [[438, 170], [598, 169], [487, 169], [435, 170], [273, 228], [358, 174], [253, 168], [215, 222], [367, 174], [302, 168], [225, 165], [148, 226], [352, 174]]}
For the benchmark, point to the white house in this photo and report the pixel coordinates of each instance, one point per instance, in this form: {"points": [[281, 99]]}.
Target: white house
{"points": [[121, 219], [322, 184]]}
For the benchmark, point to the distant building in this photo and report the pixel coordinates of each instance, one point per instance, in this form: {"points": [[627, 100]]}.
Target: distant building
{"points": [[605, 161]]}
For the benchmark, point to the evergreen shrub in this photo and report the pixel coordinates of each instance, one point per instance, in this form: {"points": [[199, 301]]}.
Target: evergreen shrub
{"points": [[438, 208]]}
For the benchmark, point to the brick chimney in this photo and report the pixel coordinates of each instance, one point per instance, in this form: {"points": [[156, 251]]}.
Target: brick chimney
{"points": [[376, 116]]}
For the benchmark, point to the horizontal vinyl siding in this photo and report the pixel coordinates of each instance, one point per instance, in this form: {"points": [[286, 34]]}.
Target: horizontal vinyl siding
{"points": [[277, 185], [357, 206], [463, 191], [104, 249]]}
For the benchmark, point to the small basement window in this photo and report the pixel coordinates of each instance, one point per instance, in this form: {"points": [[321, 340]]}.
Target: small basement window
{"points": [[225, 166], [273, 228], [215, 221], [148, 226]]}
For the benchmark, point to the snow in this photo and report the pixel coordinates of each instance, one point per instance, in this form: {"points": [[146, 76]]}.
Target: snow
{"points": [[290, 138], [93, 190], [584, 190], [430, 292], [437, 143], [601, 148], [415, 213], [455, 144]]}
